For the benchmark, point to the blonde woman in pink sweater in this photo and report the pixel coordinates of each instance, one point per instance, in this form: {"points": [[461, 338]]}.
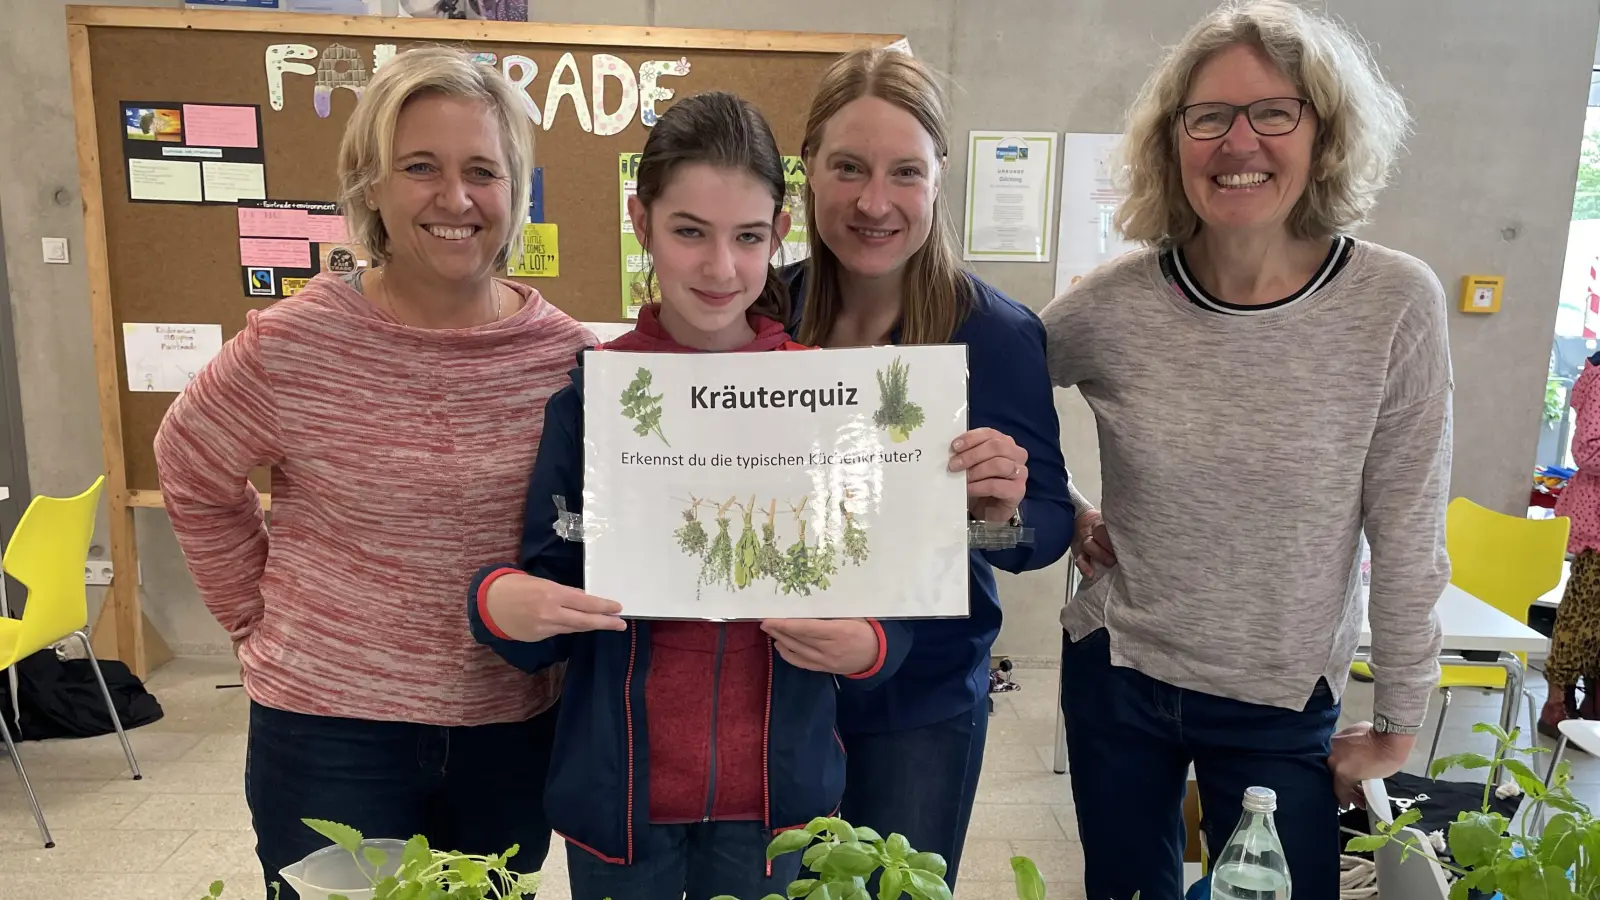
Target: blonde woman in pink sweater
{"points": [[1575, 643], [399, 410]]}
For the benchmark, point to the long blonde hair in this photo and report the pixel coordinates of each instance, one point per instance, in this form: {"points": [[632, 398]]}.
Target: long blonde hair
{"points": [[938, 293], [1361, 121]]}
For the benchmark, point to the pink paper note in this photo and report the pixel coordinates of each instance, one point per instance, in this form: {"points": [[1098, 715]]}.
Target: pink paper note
{"points": [[219, 126], [278, 223], [275, 253], [326, 229]]}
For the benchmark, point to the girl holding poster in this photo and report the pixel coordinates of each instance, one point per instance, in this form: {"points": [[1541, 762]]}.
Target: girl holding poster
{"points": [[681, 746], [883, 270]]}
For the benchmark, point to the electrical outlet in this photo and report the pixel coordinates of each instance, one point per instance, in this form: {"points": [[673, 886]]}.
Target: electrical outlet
{"points": [[97, 571]]}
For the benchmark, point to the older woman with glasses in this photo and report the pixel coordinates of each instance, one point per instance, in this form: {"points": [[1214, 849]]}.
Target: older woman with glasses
{"points": [[1267, 388]]}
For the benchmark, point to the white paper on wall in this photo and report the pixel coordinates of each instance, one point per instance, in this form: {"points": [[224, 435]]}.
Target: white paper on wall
{"points": [[166, 357], [1089, 200]]}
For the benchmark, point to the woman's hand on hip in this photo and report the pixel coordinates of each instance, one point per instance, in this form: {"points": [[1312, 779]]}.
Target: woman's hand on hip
{"points": [[838, 646], [532, 609], [1091, 544], [997, 472], [1359, 753]]}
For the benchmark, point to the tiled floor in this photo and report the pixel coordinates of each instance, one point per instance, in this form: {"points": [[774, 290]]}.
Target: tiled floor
{"points": [[169, 836]]}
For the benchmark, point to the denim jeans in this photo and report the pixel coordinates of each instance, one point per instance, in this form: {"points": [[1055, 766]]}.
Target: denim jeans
{"points": [[475, 789], [686, 862], [1130, 740], [919, 782]]}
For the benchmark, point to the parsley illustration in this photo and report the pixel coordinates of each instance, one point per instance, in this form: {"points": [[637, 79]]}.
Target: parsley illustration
{"points": [[643, 407]]}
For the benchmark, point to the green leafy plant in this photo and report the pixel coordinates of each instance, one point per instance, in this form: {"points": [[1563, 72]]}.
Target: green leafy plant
{"points": [[838, 861], [1561, 862], [896, 412], [424, 873], [1554, 401], [643, 407]]}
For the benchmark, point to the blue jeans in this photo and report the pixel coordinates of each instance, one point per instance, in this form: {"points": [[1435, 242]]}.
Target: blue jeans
{"points": [[919, 782], [1130, 740], [476, 789], [696, 861]]}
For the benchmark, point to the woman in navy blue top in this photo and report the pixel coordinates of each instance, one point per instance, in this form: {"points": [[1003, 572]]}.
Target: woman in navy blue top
{"points": [[883, 270]]}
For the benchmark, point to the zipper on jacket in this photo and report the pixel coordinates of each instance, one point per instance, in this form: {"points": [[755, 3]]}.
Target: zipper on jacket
{"points": [[627, 708], [766, 743], [716, 696]]}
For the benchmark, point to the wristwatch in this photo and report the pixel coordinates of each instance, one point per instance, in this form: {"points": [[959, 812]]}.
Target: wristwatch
{"points": [[1382, 724]]}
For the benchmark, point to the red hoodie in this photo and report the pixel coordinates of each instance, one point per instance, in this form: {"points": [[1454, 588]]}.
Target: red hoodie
{"points": [[706, 691]]}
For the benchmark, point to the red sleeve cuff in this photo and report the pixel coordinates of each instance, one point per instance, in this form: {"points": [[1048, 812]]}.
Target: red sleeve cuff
{"points": [[483, 604], [883, 652]]}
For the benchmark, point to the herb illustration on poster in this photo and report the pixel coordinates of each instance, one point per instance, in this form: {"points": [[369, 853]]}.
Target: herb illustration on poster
{"points": [[796, 485], [284, 243], [192, 152]]}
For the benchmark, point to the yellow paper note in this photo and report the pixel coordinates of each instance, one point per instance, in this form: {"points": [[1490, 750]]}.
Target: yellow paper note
{"points": [[540, 256]]}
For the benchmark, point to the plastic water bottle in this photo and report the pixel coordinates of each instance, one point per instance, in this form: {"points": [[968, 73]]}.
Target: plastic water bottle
{"points": [[1252, 865]]}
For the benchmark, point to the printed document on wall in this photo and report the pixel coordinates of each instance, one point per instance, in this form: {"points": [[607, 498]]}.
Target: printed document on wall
{"points": [[1089, 199], [164, 358], [789, 485], [1010, 180]]}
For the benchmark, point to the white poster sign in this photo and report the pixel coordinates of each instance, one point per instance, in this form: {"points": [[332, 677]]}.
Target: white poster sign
{"points": [[1010, 177], [810, 484], [165, 358], [1089, 200]]}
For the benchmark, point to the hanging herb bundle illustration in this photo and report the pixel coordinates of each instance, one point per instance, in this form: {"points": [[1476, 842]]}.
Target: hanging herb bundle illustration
{"points": [[802, 566], [643, 407], [746, 553], [691, 534], [896, 412], [718, 565], [769, 559], [855, 538]]}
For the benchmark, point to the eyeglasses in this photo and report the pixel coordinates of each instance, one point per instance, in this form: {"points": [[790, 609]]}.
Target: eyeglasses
{"points": [[1270, 117]]}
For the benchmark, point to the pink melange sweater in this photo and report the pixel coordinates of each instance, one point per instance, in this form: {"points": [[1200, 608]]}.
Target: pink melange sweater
{"points": [[400, 458]]}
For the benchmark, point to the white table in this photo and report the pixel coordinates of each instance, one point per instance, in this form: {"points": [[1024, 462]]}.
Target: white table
{"points": [[1469, 624]]}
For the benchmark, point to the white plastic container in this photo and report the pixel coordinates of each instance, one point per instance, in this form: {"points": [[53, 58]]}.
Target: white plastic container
{"points": [[332, 870]]}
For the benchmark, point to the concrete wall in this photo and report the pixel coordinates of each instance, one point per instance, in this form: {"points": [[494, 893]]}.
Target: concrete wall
{"points": [[1498, 90]]}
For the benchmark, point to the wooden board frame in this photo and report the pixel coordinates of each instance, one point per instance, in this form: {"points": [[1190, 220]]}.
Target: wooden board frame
{"points": [[122, 631]]}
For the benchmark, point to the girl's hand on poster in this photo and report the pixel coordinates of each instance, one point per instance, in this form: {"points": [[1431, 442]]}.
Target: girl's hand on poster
{"points": [[837, 646], [997, 472], [532, 609]]}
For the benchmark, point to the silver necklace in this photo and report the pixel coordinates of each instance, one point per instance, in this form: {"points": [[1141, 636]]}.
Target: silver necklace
{"points": [[388, 304]]}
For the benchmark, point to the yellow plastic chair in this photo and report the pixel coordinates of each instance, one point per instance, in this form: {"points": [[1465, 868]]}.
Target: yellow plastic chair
{"points": [[1507, 562], [47, 554]]}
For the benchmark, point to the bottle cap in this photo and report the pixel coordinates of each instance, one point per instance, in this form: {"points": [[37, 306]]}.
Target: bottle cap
{"points": [[1260, 800]]}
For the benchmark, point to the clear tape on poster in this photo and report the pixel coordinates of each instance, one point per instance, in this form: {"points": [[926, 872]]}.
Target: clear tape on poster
{"points": [[570, 526]]}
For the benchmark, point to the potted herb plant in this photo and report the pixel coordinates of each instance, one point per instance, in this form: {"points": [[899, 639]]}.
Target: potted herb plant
{"points": [[1560, 862], [839, 859]]}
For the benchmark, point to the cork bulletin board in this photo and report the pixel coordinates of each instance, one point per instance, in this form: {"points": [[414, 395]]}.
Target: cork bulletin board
{"points": [[190, 120]]}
